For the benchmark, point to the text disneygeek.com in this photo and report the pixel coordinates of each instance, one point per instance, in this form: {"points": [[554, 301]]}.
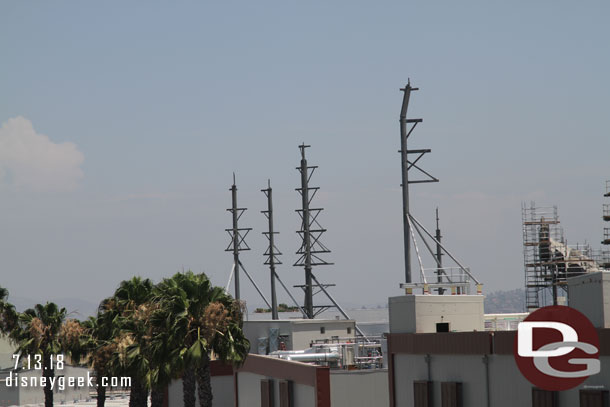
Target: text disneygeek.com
{"points": [[60, 382]]}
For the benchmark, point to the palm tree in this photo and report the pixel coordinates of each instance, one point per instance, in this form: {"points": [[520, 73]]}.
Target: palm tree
{"points": [[8, 315], [203, 320], [100, 343], [165, 361], [132, 309], [37, 332]]}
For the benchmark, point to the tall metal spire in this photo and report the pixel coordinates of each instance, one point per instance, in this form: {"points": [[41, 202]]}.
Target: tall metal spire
{"points": [[311, 231], [272, 251], [439, 254], [238, 236], [406, 166]]}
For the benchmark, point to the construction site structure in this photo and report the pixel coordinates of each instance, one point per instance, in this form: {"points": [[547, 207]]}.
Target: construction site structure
{"points": [[548, 260], [604, 260]]}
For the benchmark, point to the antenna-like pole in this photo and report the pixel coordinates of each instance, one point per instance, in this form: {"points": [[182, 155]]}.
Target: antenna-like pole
{"points": [[311, 231], [406, 165], [439, 254], [405, 179], [235, 236], [272, 251], [237, 243], [306, 232]]}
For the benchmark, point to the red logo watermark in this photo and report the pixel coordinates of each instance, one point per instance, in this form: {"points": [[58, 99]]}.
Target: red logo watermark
{"points": [[557, 348]]}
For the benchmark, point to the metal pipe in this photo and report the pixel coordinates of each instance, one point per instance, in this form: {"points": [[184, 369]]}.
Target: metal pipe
{"points": [[421, 267], [230, 278], [314, 357]]}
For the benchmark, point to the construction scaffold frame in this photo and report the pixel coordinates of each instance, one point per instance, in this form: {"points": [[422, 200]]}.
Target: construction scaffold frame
{"points": [[548, 260], [604, 258]]}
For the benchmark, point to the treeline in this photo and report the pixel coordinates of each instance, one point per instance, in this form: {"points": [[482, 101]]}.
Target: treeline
{"points": [[280, 308], [500, 302], [152, 333]]}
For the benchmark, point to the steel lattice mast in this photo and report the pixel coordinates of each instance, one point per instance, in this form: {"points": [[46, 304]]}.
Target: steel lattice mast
{"points": [[310, 233], [272, 251]]}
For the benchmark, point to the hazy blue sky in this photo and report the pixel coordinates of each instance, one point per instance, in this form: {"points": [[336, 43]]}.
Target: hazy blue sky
{"points": [[122, 122]]}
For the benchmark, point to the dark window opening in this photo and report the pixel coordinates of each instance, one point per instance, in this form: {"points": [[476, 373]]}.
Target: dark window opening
{"points": [[442, 327], [451, 394], [349, 330], [322, 330], [286, 394], [594, 398], [544, 398], [266, 393], [422, 394]]}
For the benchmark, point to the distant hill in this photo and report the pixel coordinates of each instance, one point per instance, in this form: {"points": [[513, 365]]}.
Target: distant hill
{"points": [[505, 301]]}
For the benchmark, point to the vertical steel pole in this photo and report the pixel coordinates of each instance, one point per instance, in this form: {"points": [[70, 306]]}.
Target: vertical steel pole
{"points": [[306, 234], [439, 255], [405, 180], [274, 314], [235, 237], [439, 250]]}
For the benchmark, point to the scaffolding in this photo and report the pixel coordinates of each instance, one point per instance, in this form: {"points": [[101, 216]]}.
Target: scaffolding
{"points": [[548, 260], [540, 225], [604, 260]]}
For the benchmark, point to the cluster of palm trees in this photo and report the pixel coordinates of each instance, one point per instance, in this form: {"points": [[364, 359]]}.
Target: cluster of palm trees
{"points": [[149, 333]]}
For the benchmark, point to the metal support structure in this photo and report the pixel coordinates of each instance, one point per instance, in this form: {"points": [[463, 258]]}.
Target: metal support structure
{"points": [[311, 232], [464, 269], [439, 254], [323, 288], [604, 259], [406, 165], [238, 236], [441, 279], [255, 285], [439, 249], [272, 251]]}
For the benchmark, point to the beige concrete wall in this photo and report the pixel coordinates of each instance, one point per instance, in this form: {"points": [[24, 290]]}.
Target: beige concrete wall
{"points": [[249, 391], [421, 313], [359, 388], [407, 369], [7, 350], [590, 294], [507, 386], [300, 331], [303, 333], [223, 392]]}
